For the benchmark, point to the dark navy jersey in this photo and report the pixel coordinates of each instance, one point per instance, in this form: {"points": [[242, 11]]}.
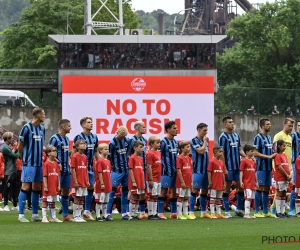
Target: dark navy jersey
{"points": [[169, 153], [295, 146], [231, 144], [33, 138], [200, 162], [263, 144], [118, 154]]}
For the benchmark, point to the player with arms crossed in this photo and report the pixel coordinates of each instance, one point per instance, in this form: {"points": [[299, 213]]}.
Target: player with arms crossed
{"points": [[51, 183], [91, 152], [295, 155], [136, 181], [118, 148], [169, 151], [140, 129], [248, 178], [231, 144], [200, 164], [80, 182], [263, 153], [103, 183], [184, 181], [216, 183], [30, 149], [153, 177], [61, 142]]}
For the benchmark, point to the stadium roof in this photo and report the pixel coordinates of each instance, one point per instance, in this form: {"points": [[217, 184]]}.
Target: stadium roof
{"points": [[58, 39]]}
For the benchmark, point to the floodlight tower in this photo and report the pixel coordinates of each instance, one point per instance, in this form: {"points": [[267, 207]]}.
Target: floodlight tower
{"points": [[90, 25]]}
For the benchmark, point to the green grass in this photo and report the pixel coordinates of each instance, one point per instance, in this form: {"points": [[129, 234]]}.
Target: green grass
{"points": [[235, 233]]}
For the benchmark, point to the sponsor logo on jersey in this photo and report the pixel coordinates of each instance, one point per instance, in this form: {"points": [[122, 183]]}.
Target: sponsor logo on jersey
{"points": [[122, 151], [81, 166], [218, 171]]}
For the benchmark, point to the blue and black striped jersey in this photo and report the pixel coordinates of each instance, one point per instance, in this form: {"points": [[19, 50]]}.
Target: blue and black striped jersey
{"points": [[200, 162], [169, 153], [263, 144]]}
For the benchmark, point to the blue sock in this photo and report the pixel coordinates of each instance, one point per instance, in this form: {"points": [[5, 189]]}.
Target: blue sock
{"points": [[292, 201], [160, 205], [64, 205], [142, 205], [22, 201], [192, 202], [35, 195], [124, 202], [226, 201], [173, 205], [203, 199], [265, 202], [257, 200], [240, 200], [110, 201], [88, 200]]}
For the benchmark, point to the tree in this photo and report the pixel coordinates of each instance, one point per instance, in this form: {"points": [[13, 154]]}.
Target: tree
{"points": [[266, 55]]}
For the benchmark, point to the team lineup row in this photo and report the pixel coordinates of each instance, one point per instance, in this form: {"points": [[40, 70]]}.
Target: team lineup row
{"points": [[166, 167]]}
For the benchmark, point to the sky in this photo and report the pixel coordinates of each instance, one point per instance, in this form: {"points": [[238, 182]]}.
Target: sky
{"points": [[170, 6]]}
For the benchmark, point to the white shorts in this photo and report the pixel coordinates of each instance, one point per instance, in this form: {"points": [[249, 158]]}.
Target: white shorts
{"points": [[80, 191], [155, 190], [282, 185], [183, 192], [249, 193], [137, 191], [217, 194], [297, 191], [51, 198], [102, 197]]}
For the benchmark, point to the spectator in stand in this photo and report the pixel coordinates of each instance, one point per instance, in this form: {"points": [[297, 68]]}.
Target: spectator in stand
{"points": [[1, 140], [18, 101], [10, 171], [9, 102], [1, 176], [297, 113], [288, 112], [251, 111], [275, 111]]}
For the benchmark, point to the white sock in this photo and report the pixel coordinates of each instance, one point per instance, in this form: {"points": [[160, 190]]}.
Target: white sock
{"points": [[80, 210], [283, 206], [218, 208], [53, 213], [179, 208], [104, 210], [136, 209], [150, 207], [212, 205], [297, 205], [97, 207], [131, 209], [154, 207], [278, 206], [75, 210], [44, 212], [185, 206], [247, 207]]}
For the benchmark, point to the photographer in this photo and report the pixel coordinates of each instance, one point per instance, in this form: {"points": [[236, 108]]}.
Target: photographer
{"points": [[10, 171]]}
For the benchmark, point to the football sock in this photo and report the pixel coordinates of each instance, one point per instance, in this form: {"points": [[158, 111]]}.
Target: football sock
{"points": [[160, 204], [173, 204], [44, 212], [257, 200], [283, 204], [226, 201], [131, 207], [247, 207], [104, 209], [150, 204], [154, 207], [35, 195], [97, 207], [265, 202], [124, 195], [203, 199], [88, 200], [75, 210], [278, 204], [179, 207], [142, 206], [185, 207], [53, 213], [136, 208], [297, 202], [22, 201], [212, 205], [110, 202], [292, 200], [240, 201], [64, 204], [192, 202]]}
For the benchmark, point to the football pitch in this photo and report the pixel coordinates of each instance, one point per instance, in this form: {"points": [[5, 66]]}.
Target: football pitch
{"points": [[235, 233]]}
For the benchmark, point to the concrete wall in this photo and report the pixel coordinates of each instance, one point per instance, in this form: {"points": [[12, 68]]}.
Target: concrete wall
{"points": [[247, 126]]}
